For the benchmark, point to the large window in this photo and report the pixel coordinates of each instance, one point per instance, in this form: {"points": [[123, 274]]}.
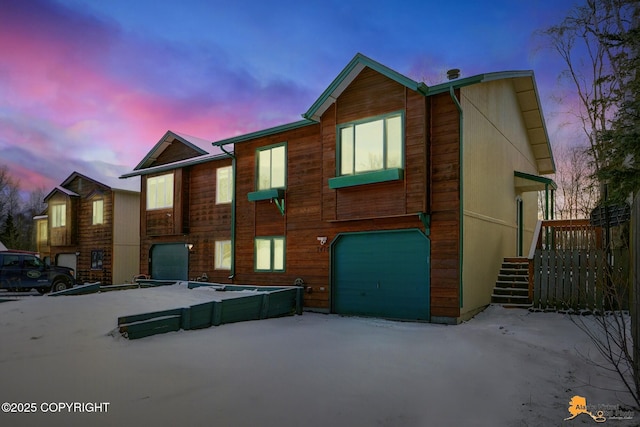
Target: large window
{"points": [[272, 167], [371, 145], [269, 253], [224, 185], [223, 255], [98, 212], [58, 215], [160, 191]]}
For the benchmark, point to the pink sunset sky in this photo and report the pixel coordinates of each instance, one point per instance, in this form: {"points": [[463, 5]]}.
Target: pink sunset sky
{"points": [[92, 86]]}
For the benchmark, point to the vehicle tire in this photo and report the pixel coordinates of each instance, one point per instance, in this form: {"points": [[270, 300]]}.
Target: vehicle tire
{"points": [[59, 285]]}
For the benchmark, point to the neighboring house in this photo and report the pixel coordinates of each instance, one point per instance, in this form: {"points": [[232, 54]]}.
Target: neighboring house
{"points": [[2, 247], [389, 199], [185, 209], [93, 227], [41, 223]]}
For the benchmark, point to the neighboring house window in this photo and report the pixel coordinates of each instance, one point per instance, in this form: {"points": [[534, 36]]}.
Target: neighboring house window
{"points": [[224, 185], [42, 231], [271, 167], [269, 253], [58, 215], [160, 191], [223, 255], [371, 145], [96, 260], [98, 212]]}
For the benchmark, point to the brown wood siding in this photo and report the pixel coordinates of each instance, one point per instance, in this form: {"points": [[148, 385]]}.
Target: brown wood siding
{"points": [[200, 221], [175, 152], [445, 206], [369, 95], [87, 237], [63, 236], [302, 223], [314, 210]]}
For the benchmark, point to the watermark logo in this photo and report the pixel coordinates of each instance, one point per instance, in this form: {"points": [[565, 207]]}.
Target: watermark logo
{"points": [[599, 413]]}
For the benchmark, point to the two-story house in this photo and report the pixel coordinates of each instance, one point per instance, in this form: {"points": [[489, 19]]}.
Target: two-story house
{"points": [[92, 225], [185, 209], [390, 198]]}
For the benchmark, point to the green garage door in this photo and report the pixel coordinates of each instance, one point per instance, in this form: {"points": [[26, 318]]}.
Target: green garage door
{"points": [[170, 261], [381, 274]]}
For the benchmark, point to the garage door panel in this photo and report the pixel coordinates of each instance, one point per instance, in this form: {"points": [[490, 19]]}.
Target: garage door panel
{"points": [[382, 274], [170, 262]]}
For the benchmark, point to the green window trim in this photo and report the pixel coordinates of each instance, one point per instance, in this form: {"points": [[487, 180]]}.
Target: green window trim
{"points": [[273, 193], [275, 248], [271, 167], [394, 174], [373, 144]]}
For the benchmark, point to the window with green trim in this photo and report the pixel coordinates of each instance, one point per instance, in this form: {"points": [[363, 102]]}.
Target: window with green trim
{"points": [[269, 253], [271, 167], [371, 145]]}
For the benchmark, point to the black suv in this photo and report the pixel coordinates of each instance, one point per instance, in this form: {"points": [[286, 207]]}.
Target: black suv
{"points": [[22, 271]]}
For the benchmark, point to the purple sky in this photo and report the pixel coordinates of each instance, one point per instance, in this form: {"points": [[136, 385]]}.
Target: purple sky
{"points": [[93, 85]]}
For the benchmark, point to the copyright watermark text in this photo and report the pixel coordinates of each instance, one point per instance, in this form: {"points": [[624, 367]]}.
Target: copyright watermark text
{"points": [[55, 407]]}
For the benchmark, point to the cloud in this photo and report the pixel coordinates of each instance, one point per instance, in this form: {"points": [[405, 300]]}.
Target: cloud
{"points": [[81, 88]]}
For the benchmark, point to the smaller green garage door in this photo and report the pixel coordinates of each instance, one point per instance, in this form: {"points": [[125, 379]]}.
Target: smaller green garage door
{"points": [[381, 274], [170, 261]]}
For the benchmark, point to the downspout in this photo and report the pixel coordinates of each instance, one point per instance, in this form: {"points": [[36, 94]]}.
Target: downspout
{"points": [[461, 213], [233, 212]]}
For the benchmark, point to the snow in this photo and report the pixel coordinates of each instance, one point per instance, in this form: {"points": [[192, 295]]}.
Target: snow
{"points": [[505, 367]]}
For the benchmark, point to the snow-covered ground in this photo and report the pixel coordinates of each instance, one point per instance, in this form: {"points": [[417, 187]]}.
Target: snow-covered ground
{"points": [[502, 368]]}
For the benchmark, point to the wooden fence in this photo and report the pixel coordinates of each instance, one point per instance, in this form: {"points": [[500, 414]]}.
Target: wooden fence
{"points": [[568, 268], [568, 279]]}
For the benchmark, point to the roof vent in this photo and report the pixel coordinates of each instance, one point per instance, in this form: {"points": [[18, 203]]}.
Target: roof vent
{"points": [[453, 74]]}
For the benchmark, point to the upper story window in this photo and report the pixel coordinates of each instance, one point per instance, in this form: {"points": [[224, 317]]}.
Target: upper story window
{"points": [[272, 167], [98, 212], [224, 185], [160, 192], [58, 215], [371, 145]]}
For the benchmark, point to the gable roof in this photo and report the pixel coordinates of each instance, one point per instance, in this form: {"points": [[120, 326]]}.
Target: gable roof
{"points": [[201, 146], [264, 132], [348, 75], [523, 82], [59, 189]]}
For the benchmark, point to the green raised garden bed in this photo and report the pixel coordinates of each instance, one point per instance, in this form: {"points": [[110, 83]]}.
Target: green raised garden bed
{"points": [[266, 303]]}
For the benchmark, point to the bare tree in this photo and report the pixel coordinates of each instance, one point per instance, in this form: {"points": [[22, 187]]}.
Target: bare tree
{"points": [[594, 44], [578, 191], [592, 69]]}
